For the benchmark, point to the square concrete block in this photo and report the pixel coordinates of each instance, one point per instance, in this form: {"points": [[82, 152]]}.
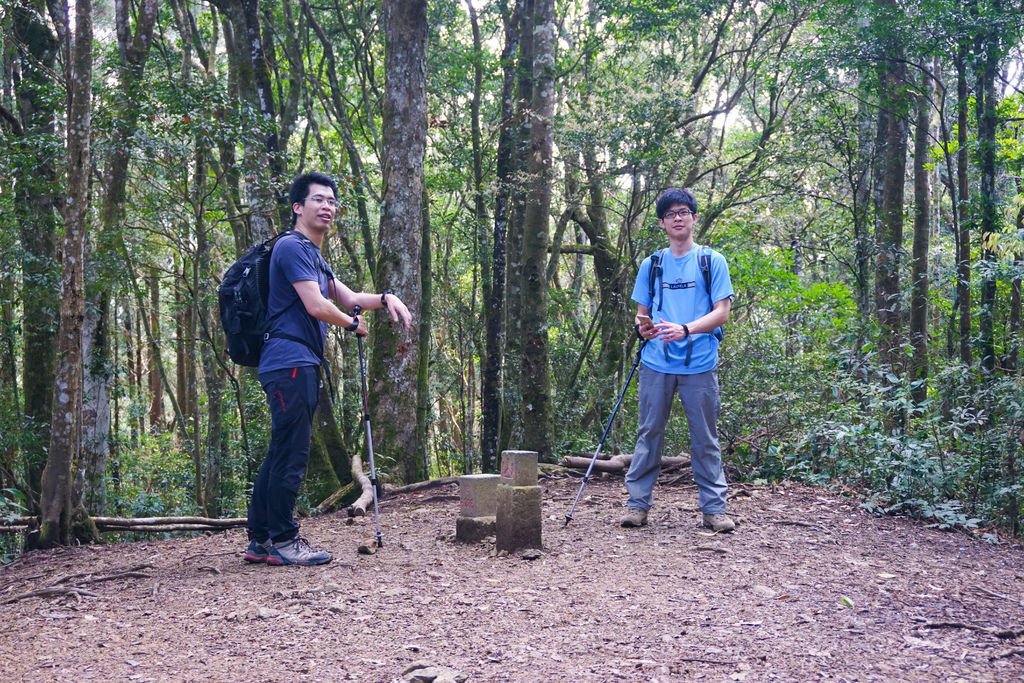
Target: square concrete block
{"points": [[519, 468], [478, 495], [519, 519]]}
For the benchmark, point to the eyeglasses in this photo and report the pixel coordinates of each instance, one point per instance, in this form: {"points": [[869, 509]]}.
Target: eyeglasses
{"points": [[320, 199], [682, 213]]}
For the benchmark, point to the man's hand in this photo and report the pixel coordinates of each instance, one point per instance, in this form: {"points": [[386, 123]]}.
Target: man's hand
{"points": [[399, 311], [644, 326], [670, 332]]}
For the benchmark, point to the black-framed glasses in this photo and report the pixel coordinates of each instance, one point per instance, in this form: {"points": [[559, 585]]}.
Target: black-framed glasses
{"points": [[320, 199], [682, 213]]}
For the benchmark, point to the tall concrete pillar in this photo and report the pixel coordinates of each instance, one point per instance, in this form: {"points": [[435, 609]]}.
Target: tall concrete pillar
{"points": [[518, 519]]}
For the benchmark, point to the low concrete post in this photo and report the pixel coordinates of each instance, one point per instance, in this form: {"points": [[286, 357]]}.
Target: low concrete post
{"points": [[477, 507], [519, 513]]}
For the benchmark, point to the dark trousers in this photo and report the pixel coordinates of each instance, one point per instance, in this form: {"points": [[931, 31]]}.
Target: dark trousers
{"points": [[292, 394]]}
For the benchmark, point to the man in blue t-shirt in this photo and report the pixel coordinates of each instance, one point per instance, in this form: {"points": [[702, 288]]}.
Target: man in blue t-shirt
{"points": [[304, 296], [681, 324]]}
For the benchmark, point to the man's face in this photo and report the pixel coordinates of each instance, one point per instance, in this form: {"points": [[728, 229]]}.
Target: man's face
{"points": [[319, 208], [678, 221]]}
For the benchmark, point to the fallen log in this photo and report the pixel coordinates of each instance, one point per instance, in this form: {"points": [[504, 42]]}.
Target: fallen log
{"points": [[365, 499], [620, 463], [226, 523], [141, 524], [334, 501]]}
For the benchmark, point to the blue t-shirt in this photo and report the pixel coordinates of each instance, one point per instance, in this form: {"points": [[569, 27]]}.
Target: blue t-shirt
{"points": [[680, 296], [294, 259]]}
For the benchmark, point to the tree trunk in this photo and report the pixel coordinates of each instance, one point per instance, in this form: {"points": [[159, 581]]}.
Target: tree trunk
{"points": [[395, 361], [156, 388], [96, 403], [37, 212], [888, 308], [251, 76], [494, 313], [133, 50], [423, 397], [986, 100], [963, 257], [536, 382], [922, 235], [65, 428], [512, 430]]}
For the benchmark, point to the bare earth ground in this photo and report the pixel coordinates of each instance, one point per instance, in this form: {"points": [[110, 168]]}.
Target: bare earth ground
{"points": [[808, 588]]}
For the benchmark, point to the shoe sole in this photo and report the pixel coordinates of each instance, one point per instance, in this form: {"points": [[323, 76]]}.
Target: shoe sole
{"points": [[255, 559], [274, 562]]}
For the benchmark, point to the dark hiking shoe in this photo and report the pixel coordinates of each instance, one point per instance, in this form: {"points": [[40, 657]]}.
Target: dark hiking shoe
{"points": [[719, 523], [257, 552], [297, 551], [635, 518]]}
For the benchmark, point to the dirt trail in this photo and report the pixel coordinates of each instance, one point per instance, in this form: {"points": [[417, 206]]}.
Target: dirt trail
{"points": [[808, 588]]}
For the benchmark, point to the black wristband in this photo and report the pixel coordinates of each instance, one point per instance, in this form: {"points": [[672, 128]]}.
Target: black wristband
{"points": [[686, 330], [384, 297], [355, 324]]}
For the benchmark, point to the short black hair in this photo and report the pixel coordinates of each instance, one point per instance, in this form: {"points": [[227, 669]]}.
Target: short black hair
{"points": [[673, 196], [300, 188]]}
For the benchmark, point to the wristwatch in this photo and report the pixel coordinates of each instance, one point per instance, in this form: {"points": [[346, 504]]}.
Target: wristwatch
{"points": [[355, 324], [384, 297], [686, 330]]}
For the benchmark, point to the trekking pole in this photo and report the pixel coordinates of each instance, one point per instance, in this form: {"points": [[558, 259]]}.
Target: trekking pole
{"points": [[369, 434], [607, 428]]}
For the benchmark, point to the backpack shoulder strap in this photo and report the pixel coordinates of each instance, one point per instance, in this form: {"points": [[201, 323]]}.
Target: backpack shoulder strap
{"points": [[656, 272], [704, 260]]}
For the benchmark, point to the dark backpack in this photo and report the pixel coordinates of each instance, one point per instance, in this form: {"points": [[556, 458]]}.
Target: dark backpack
{"points": [[242, 296]]}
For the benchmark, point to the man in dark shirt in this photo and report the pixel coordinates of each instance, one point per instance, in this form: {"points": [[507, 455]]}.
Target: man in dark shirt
{"points": [[304, 296]]}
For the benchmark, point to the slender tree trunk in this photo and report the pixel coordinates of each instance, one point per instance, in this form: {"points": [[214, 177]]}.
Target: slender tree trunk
{"points": [[133, 52], [65, 428], [963, 257], [423, 397], [495, 308], [156, 388], [395, 362], [922, 235], [888, 307], [536, 382], [862, 213], [985, 113], [251, 77]]}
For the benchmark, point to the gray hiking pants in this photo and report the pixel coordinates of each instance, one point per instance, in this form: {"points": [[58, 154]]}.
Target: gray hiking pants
{"points": [[700, 398]]}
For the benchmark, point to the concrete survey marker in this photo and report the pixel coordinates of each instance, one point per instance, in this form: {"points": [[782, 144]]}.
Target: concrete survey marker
{"points": [[518, 517], [477, 507]]}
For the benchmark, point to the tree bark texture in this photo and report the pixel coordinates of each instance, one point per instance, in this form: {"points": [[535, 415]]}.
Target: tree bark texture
{"points": [[494, 310], [535, 379], [963, 260], [395, 361], [922, 237], [65, 427], [38, 214], [888, 307], [986, 99], [512, 414]]}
